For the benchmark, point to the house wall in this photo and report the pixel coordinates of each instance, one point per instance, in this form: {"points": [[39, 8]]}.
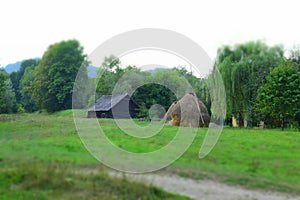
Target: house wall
{"points": [[124, 109], [99, 114], [92, 114], [104, 114]]}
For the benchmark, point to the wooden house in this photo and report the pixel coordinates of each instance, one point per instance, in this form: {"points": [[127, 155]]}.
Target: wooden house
{"points": [[113, 106]]}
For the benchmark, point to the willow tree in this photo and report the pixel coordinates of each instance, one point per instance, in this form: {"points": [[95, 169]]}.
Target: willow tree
{"points": [[243, 68]]}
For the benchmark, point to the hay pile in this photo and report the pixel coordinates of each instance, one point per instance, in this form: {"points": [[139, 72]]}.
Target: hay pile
{"points": [[188, 111]]}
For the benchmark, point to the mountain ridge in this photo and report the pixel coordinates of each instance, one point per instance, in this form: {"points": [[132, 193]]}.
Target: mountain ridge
{"points": [[14, 67]]}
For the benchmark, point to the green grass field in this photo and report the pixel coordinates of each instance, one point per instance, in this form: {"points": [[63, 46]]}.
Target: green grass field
{"points": [[33, 144]]}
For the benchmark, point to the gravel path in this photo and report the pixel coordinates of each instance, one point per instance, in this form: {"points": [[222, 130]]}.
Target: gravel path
{"points": [[206, 189]]}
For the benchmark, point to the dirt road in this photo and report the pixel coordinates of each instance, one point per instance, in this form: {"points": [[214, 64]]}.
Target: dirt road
{"points": [[207, 189]]}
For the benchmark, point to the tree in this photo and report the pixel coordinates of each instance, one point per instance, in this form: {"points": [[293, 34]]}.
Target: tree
{"points": [[279, 96], [150, 94], [111, 63], [2, 91], [11, 103], [142, 111], [8, 102], [243, 69], [17, 76], [217, 96], [108, 75], [82, 87], [25, 88], [55, 75], [198, 84], [166, 86], [294, 55]]}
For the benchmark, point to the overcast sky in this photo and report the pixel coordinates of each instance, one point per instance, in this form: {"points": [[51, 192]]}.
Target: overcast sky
{"points": [[29, 27]]}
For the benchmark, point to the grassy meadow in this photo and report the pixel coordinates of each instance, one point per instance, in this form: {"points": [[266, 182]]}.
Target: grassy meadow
{"points": [[39, 148]]}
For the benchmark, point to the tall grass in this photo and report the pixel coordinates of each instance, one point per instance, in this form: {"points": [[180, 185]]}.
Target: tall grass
{"points": [[54, 180]]}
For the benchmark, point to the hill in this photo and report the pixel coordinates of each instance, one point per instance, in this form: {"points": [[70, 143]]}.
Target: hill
{"points": [[14, 67]]}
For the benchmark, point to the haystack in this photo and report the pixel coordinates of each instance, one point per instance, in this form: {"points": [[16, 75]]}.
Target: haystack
{"points": [[188, 111]]}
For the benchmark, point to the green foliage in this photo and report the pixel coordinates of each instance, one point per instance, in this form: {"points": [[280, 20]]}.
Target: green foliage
{"points": [[56, 73], [11, 103], [216, 94], [243, 68], [84, 85], [17, 76], [279, 96], [150, 94], [109, 73], [25, 88], [2, 90], [199, 85], [111, 63], [142, 111], [8, 103]]}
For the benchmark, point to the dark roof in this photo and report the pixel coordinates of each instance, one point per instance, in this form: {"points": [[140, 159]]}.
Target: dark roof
{"points": [[106, 102]]}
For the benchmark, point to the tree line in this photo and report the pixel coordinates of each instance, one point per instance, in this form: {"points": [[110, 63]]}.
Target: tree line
{"points": [[261, 83], [43, 84]]}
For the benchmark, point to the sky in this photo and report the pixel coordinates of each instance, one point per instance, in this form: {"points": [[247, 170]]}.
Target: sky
{"points": [[29, 27]]}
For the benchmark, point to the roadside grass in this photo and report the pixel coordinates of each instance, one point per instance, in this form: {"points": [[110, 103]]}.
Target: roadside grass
{"points": [[252, 158]]}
